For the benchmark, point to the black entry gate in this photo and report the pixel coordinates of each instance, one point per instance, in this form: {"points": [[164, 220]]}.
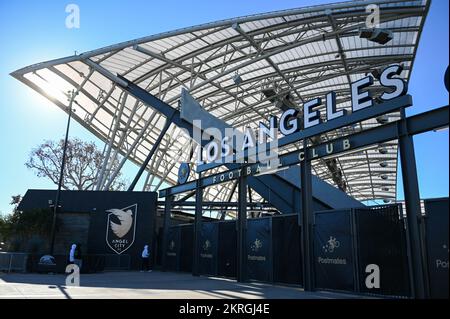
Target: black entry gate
{"points": [[350, 244], [436, 243], [347, 244], [259, 249], [209, 248], [381, 239], [334, 258], [287, 261]]}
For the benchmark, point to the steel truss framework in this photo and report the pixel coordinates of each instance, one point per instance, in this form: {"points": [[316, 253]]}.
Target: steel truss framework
{"points": [[301, 52]]}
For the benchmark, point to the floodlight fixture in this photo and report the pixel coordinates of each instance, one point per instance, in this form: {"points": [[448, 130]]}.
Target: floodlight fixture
{"points": [[237, 79], [383, 119], [377, 35]]}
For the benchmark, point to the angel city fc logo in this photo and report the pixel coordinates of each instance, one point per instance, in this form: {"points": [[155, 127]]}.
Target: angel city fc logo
{"points": [[121, 228], [331, 245]]}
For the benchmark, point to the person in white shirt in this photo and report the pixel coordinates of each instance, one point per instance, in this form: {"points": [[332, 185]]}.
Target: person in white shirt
{"points": [[72, 254], [145, 265]]}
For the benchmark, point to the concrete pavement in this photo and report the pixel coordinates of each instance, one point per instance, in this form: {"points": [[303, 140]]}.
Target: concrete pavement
{"points": [[154, 285]]}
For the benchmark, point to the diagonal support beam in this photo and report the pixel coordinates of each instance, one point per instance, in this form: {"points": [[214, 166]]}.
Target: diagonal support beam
{"points": [[281, 192], [175, 117], [186, 69], [150, 155], [250, 40]]}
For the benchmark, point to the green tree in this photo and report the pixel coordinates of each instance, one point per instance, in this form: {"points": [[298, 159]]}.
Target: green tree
{"points": [[21, 230], [4, 228]]}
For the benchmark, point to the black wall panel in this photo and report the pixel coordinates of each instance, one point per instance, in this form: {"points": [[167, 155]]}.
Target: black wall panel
{"points": [[259, 249], [287, 264], [227, 249], [381, 238], [173, 249], [333, 250], [437, 246], [186, 247], [209, 248], [98, 205], [345, 242]]}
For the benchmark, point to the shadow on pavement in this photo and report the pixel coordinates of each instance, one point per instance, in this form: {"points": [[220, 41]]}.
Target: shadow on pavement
{"points": [[213, 287]]}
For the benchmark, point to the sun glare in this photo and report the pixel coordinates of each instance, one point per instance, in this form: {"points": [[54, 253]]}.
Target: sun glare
{"points": [[53, 86]]}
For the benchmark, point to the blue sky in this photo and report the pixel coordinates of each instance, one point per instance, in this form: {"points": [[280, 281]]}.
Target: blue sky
{"points": [[34, 31]]}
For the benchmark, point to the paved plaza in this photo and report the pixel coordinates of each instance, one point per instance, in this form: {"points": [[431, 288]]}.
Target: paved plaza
{"points": [[153, 285]]}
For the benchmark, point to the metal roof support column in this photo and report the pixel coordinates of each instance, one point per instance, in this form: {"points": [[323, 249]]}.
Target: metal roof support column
{"points": [[224, 212], [146, 186], [150, 155], [197, 227], [166, 225], [102, 102], [250, 200], [105, 150], [142, 135], [154, 160], [305, 219], [172, 164], [242, 228], [412, 203], [121, 142], [101, 177], [156, 163]]}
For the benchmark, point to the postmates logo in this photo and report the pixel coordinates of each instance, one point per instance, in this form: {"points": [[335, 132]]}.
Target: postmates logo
{"points": [[121, 228], [256, 245], [331, 245], [206, 253]]}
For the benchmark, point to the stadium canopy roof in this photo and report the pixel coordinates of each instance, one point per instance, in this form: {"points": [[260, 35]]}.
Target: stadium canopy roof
{"points": [[284, 57]]}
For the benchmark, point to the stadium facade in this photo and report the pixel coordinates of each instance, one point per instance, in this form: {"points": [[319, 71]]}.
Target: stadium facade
{"points": [[142, 98]]}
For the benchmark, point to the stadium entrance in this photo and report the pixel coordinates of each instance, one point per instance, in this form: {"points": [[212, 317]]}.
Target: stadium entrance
{"points": [[403, 130], [301, 216]]}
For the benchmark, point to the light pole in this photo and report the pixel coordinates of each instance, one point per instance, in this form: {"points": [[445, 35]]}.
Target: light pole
{"points": [[70, 97]]}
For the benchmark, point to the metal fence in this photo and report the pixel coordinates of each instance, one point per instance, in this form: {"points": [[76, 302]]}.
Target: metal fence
{"points": [[13, 262], [19, 262]]}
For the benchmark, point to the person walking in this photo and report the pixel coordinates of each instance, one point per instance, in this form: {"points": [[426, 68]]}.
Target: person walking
{"points": [[72, 254], [145, 257], [77, 256]]}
